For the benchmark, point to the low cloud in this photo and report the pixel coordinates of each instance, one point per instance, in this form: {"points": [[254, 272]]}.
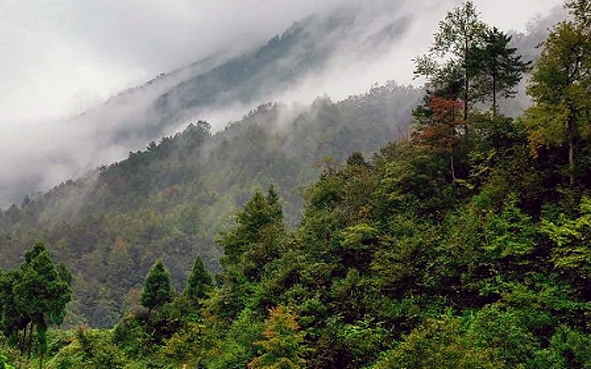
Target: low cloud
{"points": [[60, 58]]}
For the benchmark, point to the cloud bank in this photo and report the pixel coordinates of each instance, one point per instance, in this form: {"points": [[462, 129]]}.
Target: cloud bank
{"points": [[61, 57]]}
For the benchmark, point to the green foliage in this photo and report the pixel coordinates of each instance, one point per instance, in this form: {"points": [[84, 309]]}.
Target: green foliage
{"points": [[158, 289], [199, 282], [505, 334], [4, 364], [253, 243], [559, 87], [438, 344], [131, 336], [236, 350], [41, 292], [570, 248], [456, 249], [449, 64], [496, 66], [281, 347], [187, 346]]}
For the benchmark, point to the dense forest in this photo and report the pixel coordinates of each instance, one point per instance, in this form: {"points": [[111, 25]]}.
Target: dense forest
{"points": [[171, 199], [463, 244]]}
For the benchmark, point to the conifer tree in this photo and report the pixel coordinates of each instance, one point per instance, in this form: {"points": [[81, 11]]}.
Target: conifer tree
{"points": [[41, 292], [158, 289], [461, 30], [496, 67], [282, 343], [253, 243], [12, 319], [199, 281], [249, 247]]}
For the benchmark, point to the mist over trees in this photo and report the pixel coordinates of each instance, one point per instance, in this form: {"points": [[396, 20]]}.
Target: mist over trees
{"points": [[171, 199], [463, 242]]}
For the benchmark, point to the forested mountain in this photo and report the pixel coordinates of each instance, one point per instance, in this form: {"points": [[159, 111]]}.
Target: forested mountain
{"points": [[462, 243], [223, 82], [170, 199], [221, 87]]}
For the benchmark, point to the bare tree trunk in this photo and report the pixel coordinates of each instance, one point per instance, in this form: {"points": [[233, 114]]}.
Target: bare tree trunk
{"points": [[571, 149], [24, 342], [494, 91], [571, 161], [30, 341], [466, 85]]}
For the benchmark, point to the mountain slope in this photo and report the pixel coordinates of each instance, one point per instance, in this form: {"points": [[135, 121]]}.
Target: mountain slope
{"points": [[171, 199], [224, 82]]}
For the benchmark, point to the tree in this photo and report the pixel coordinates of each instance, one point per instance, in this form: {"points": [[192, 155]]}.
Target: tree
{"points": [[496, 67], [460, 31], [249, 247], [253, 243], [199, 281], [439, 343], [12, 319], [41, 293], [282, 343], [158, 289], [581, 11], [437, 127], [560, 87]]}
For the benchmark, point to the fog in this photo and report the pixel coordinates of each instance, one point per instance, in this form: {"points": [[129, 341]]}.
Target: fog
{"points": [[63, 59]]}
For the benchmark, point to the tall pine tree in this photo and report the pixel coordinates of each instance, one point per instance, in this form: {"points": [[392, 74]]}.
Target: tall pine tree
{"points": [[496, 67], [199, 281], [158, 289]]}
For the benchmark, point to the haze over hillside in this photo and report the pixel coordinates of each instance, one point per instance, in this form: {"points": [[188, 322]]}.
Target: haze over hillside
{"points": [[171, 199], [441, 225], [338, 48]]}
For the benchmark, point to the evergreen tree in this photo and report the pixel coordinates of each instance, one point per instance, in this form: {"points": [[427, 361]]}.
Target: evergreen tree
{"points": [[199, 281], [41, 294], [496, 66], [282, 343], [461, 30], [12, 319], [158, 289], [254, 241], [249, 247]]}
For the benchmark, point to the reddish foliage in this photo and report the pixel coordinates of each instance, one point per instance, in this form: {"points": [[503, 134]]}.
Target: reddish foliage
{"points": [[441, 129]]}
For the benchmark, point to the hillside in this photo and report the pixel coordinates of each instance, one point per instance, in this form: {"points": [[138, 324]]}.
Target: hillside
{"points": [[465, 243], [338, 48], [226, 83], [171, 199]]}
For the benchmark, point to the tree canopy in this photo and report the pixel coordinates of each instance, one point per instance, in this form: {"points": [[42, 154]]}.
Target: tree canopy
{"points": [[158, 289]]}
